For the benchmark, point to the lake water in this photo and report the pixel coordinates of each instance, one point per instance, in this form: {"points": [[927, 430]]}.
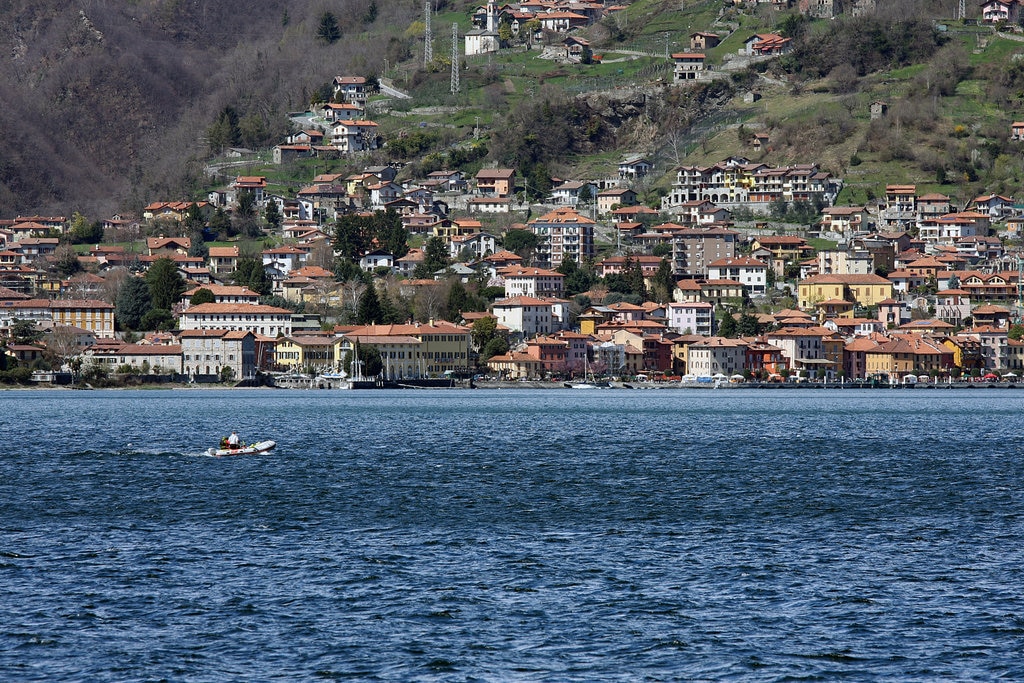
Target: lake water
{"points": [[513, 535]]}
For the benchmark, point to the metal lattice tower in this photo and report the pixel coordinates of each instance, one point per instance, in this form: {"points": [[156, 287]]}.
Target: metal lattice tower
{"points": [[962, 10], [455, 58], [428, 36]]}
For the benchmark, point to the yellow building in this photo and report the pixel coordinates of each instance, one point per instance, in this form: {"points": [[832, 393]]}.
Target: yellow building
{"points": [[399, 353], [967, 353], [301, 352], [88, 314], [907, 355], [834, 308], [516, 365], [416, 350], [589, 319], [864, 290]]}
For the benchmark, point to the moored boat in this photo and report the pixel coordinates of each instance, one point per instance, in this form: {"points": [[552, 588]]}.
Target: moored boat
{"points": [[251, 449]]}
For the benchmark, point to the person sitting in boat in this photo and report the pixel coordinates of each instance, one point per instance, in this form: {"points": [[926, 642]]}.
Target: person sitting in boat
{"points": [[233, 441], [223, 443]]}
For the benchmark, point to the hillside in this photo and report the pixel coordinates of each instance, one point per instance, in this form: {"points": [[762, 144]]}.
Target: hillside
{"points": [[104, 102], [107, 108]]}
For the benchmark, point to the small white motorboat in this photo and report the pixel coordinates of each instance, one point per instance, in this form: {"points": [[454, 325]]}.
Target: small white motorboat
{"points": [[251, 449]]}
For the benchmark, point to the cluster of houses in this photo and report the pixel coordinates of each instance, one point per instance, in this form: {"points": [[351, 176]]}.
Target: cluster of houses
{"points": [[847, 322], [738, 182], [912, 272], [534, 16], [232, 338], [627, 341], [338, 127]]}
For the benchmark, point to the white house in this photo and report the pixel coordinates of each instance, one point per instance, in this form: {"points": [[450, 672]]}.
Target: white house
{"points": [[750, 272], [224, 294], [151, 358], [526, 315], [285, 259], [376, 259], [354, 136], [693, 317], [689, 66], [568, 193], [351, 88], [489, 205], [268, 321], [534, 282], [479, 245], [716, 356]]}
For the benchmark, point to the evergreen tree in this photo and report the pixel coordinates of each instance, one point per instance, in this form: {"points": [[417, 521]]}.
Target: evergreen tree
{"points": [[369, 310], [198, 247], [252, 130], [747, 325], [663, 282], [245, 214], [435, 258], [586, 194], [495, 347], [157, 319], [165, 283], [539, 183], [350, 238], [133, 301], [224, 132], [220, 223], [389, 313], [249, 272], [346, 269], [370, 358], [25, 332], [328, 30], [521, 242], [202, 296], [577, 278], [457, 299], [193, 224], [390, 233], [370, 15], [634, 276], [83, 231], [567, 267], [272, 215], [727, 328]]}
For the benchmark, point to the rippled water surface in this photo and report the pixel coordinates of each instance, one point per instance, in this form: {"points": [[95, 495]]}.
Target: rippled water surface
{"points": [[513, 535]]}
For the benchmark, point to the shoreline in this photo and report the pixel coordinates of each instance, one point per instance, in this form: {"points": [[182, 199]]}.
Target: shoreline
{"points": [[517, 385]]}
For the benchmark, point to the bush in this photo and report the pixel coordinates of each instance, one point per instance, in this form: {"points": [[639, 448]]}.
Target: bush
{"points": [[19, 375]]}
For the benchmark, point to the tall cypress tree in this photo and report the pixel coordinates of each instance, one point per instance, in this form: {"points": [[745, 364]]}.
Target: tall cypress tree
{"points": [[369, 310], [133, 301], [165, 283], [663, 282]]}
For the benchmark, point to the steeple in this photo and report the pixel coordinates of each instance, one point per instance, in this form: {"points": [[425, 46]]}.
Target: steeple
{"points": [[492, 16]]}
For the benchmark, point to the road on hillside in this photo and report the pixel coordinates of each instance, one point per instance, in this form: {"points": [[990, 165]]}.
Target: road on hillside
{"points": [[392, 92]]}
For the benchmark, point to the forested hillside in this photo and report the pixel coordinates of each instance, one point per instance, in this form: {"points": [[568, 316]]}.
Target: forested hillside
{"points": [[105, 100]]}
